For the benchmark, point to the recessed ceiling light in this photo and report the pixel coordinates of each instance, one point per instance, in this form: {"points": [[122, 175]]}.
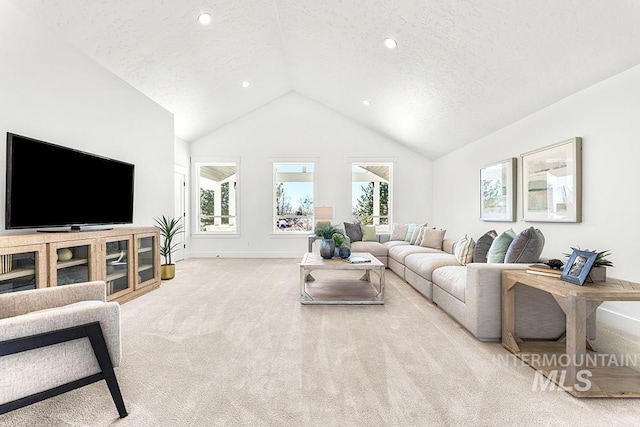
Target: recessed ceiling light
{"points": [[366, 102], [245, 84], [204, 19], [390, 43]]}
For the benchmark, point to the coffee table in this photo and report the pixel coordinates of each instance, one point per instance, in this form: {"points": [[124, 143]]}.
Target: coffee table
{"points": [[335, 283]]}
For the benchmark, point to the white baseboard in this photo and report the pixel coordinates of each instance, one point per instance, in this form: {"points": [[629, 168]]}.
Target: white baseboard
{"points": [[619, 321], [245, 254]]}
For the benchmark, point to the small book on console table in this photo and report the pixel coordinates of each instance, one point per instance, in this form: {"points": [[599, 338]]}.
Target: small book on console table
{"points": [[358, 260], [544, 270]]}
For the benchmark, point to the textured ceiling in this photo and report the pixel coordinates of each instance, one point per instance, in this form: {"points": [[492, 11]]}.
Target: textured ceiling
{"points": [[462, 68]]}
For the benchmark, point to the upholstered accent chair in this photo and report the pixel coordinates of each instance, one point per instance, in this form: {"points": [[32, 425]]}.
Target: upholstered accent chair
{"points": [[53, 340]]}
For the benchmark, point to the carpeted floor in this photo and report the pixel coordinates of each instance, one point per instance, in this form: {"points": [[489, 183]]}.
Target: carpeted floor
{"points": [[227, 343]]}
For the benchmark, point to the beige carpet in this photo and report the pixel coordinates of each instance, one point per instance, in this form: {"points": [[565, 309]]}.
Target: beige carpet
{"points": [[227, 343]]}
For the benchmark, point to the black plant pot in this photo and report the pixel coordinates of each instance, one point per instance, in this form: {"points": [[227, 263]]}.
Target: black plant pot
{"points": [[344, 252]]}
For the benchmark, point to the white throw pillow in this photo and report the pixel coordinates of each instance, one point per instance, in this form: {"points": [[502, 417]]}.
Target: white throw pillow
{"points": [[464, 250], [417, 232], [399, 232], [433, 238]]}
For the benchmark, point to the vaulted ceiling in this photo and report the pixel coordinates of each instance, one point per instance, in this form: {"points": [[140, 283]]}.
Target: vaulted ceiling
{"points": [[461, 69]]}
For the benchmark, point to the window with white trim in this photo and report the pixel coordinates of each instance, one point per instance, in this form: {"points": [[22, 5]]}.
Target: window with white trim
{"points": [[293, 197], [371, 194], [217, 188]]}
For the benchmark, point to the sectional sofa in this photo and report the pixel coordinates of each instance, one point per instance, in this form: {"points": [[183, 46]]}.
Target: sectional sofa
{"points": [[469, 292]]}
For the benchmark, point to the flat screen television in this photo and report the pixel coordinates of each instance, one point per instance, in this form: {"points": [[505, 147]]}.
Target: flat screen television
{"points": [[50, 185]]}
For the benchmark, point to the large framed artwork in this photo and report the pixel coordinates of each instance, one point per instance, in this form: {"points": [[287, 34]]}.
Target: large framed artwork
{"points": [[498, 191], [552, 183]]}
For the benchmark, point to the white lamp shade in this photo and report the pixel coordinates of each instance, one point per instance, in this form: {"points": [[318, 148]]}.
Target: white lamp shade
{"points": [[323, 213]]}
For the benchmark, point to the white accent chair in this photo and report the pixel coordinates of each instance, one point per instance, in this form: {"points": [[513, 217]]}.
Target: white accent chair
{"points": [[53, 340]]}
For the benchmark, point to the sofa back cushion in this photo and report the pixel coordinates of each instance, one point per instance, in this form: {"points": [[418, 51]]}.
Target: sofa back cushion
{"points": [[399, 232], [353, 231], [433, 238], [482, 246], [463, 250], [526, 246], [498, 250]]}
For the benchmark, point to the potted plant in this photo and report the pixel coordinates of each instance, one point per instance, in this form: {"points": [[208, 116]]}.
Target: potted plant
{"points": [[342, 248], [598, 271], [169, 227], [327, 244]]}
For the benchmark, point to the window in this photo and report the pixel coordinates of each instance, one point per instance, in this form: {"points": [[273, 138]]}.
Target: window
{"points": [[217, 197], [371, 194], [293, 197]]}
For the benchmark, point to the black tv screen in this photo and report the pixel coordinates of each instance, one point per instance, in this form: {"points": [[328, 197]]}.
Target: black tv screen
{"points": [[49, 185]]}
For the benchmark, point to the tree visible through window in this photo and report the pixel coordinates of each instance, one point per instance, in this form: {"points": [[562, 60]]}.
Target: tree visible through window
{"points": [[293, 197], [370, 194], [217, 188]]}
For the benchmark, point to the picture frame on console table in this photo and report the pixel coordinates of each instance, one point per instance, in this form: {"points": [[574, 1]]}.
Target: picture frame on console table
{"points": [[578, 266], [552, 183], [498, 191]]}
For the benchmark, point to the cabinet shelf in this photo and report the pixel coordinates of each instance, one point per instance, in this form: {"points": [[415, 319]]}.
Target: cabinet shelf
{"points": [[17, 273], [72, 263]]}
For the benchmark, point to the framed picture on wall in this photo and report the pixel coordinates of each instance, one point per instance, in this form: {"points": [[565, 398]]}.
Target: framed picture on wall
{"points": [[552, 183], [498, 191]]}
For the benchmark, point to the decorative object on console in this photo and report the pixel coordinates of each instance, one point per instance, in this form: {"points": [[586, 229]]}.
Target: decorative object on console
{"points": [[544, 270], [323, 214], [169, 227], [482, 246], [500, 246], [463, 250], [551, 183], [64, 254], [598, 271], [497, 191], [556, 264], [578, 266], [525, 247], [6, 263]]}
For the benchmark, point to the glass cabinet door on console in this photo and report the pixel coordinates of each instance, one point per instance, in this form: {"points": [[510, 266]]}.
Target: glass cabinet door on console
{"points": [[146, 256], [75, 262], [22, 268], [118, 268]]}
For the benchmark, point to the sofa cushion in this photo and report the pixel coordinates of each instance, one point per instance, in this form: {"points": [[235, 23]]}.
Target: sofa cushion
{"points": [[400, 252], [353, 231], [399, 232], [433, 238], [374, 248], [526, 246], [482, 246], [500, 245], [410, 228], [369, 233], [391, 243], [451, 279], [464, 250], [417, 231], [425, 264]]}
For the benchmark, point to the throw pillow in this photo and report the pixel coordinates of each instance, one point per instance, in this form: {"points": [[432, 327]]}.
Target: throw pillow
{"points": [[353, 231], [369, 233], [399, 232], [526, 247], [414, 236], [433, 238], [464, 250], [410, 228], [500, 245], [482, 246]]}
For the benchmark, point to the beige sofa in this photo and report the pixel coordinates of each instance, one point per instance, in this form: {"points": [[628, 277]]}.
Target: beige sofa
{"points": [[471, 294]]}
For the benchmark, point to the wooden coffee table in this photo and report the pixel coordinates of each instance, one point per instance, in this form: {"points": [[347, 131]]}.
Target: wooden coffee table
{"points": [[336, 283], [569, 361]]}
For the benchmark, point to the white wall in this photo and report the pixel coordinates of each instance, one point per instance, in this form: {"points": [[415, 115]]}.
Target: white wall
{"points": [[606, 116], [294, 128], [50, 91]]}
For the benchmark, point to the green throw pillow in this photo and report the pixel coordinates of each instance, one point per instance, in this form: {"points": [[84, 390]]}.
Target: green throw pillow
{"points": [[369, 233], [499, 247]]}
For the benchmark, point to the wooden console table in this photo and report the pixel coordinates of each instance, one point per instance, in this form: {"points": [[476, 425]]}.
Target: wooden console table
{"points": [[584, 372]]}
